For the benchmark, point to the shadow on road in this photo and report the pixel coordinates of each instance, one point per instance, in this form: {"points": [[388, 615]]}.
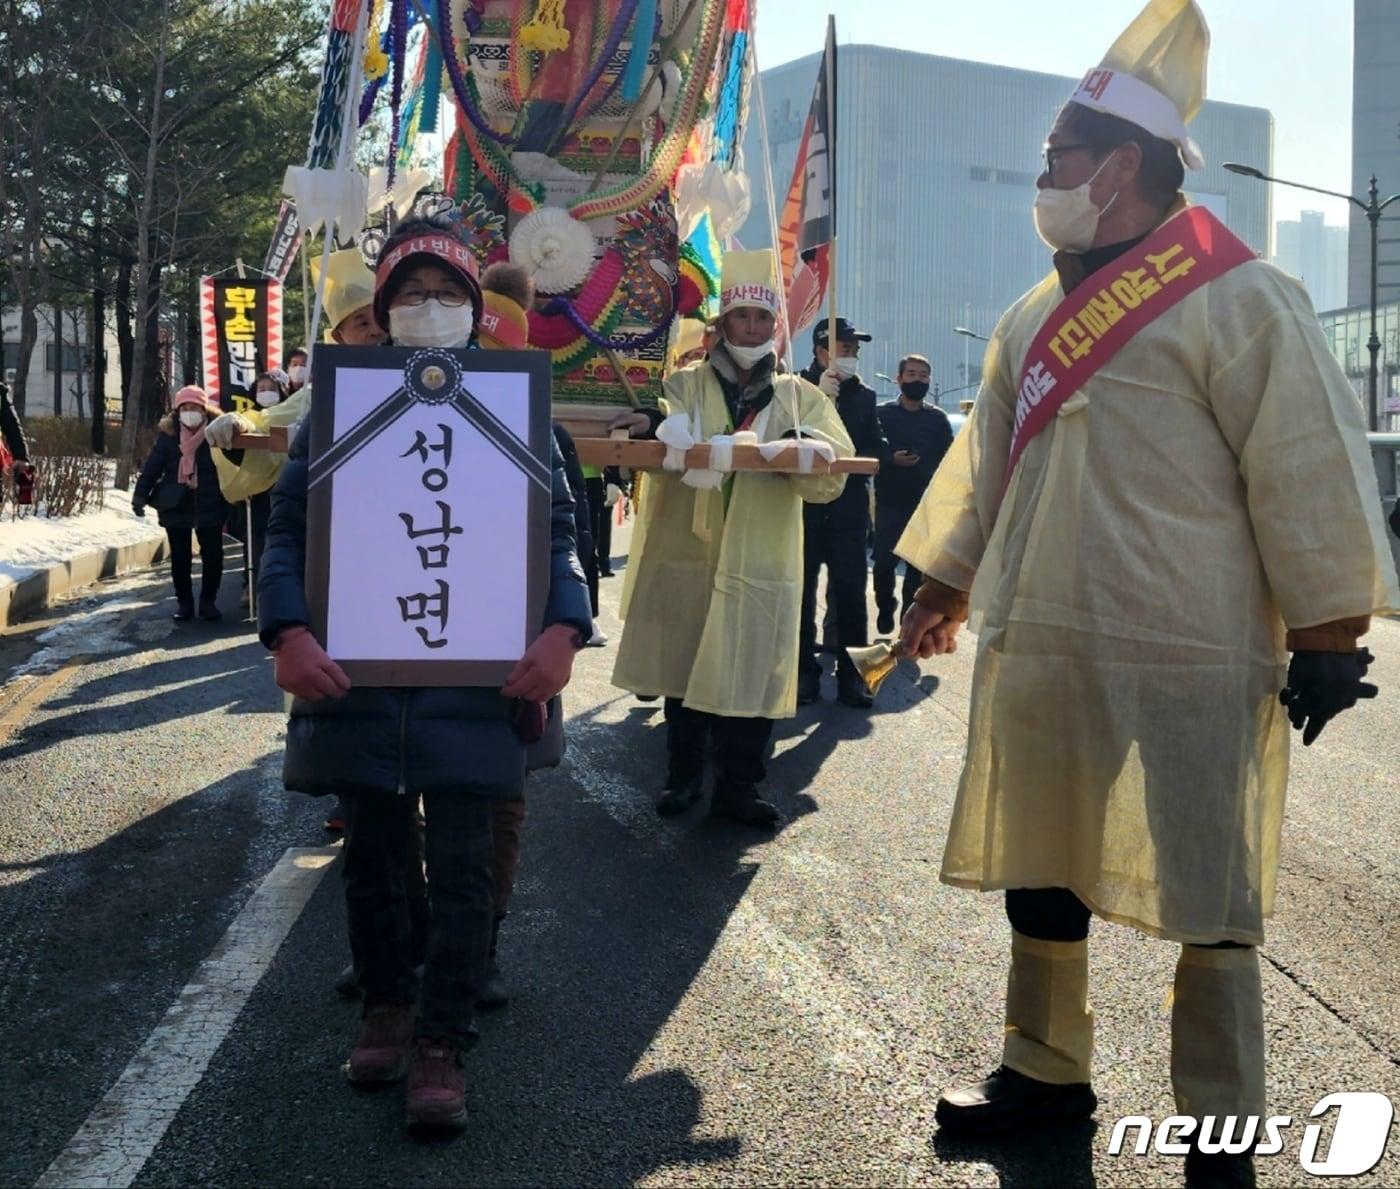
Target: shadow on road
{"points": [[95, 944], [1053, 1156]]}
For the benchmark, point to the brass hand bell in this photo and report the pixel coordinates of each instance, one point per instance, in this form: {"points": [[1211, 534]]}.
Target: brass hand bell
{"points": [[876, 663]]}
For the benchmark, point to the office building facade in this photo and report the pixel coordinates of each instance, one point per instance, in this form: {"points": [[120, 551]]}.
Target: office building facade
{"points": [[937, 160], [1375, 146], [1316, 254]]}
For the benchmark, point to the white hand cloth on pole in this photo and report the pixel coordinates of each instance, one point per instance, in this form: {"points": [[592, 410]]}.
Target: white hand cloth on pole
{"points": [[722, 452], [674, 433], [807, 449], [830, 383]]}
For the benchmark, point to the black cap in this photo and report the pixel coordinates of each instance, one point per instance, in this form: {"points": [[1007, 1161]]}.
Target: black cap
{"points": [[845, 333]]}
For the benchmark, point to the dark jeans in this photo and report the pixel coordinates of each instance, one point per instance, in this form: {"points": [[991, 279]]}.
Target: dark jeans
{"points": [[842, 552], [211, 560], [601, 524], [890, 522], [457, 839], [740, 744], [1057, 914]]}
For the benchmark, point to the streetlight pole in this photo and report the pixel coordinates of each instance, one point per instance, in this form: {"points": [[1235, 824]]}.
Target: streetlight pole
{"points": [[967, 336], [1372, 208]]}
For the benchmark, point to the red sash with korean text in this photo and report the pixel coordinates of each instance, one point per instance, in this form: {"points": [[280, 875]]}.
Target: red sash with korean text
{"points": [[1092, 324]]}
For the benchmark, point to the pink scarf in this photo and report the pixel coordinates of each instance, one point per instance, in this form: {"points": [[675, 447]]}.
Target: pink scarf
{"points": [[190, 442]]}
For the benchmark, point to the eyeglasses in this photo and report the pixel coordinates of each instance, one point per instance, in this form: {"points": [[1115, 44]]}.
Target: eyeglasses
{"points": [[416, 297], [1051, 156]]}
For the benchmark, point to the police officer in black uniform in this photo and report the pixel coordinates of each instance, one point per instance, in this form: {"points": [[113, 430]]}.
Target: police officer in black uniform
{"points": [[919, 436], [836, 533]]}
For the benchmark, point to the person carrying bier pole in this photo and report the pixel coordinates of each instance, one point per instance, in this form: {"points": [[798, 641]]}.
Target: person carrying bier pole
{"points": [[712, 616]]}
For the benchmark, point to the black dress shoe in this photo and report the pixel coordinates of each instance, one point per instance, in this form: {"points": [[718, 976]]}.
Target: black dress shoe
{"points": [[347, 986], [494, 993], [741, 803], [183, 610], [884, 623], [851, 691], [681, 793], [1219, 1170], [809, 688], [1011, 1101]]}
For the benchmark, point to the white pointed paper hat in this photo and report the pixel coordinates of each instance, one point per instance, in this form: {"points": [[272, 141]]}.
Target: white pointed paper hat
{"points": [[749, 279], [1154, 75]]}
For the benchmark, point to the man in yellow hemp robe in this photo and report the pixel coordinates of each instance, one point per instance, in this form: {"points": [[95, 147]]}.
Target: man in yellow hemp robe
{"points": [[711, 620], [1198, 502]]}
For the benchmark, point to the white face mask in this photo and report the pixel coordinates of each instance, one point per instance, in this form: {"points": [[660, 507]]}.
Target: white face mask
{"points": [[431, 324], [845, 366], [267, 397], [747, 357], [297, 374], [1068, 220], [191, 418]]}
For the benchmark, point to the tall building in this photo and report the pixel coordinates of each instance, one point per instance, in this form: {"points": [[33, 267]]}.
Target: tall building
{"points": [[936, 165], [1375, 145], [1316, 254]]}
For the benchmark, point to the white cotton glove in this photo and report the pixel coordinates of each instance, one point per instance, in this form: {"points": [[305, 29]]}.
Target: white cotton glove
{"points": [[611, 494], [830, 383], [221, 431]]}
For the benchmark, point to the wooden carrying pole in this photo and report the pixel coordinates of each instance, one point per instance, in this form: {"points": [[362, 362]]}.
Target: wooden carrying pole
{"points": [[650, 456]]}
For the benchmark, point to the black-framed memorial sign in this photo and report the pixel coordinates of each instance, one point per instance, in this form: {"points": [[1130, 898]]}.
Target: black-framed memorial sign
{"points": [[428, 511]]}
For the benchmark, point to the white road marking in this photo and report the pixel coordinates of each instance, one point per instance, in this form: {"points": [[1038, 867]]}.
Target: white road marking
{"points": [[113, 1145]]}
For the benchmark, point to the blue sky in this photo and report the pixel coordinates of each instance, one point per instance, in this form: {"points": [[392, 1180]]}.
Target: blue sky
{"points": [[1293, 58]]}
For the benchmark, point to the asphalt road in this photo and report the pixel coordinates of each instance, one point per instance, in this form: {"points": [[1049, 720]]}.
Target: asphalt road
{"points": [[694, 1004]]}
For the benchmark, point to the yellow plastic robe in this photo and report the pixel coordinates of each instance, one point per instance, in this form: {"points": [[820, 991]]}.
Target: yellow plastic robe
{"points": [[712, 615], [260, 468], [1210, 485]]}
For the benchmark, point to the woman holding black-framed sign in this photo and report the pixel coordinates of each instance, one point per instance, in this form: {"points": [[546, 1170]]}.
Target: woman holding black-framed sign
{"points": [[383, 745]]}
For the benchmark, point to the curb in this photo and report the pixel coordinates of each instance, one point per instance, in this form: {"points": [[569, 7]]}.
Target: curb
{"points": [[37, 591]]}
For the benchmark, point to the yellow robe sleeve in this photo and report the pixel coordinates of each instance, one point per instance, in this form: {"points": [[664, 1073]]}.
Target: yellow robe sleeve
{"points": [[948, 533], [819, 419], [1285, 407], [260, 469]]}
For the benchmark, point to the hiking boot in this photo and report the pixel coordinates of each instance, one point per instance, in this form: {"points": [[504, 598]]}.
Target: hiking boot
{"points": [[209, 611], [884, 623], [1219, 1170], [682, 791], [741, 803], [494, 994], [1011, 1101], [184, 609], [851, 691], [437, 1086], [380, 1056], [809, 688]]}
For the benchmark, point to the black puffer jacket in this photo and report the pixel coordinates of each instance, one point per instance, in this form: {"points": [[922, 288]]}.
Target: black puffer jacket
{"points": [[205, 506], [381, 739]]}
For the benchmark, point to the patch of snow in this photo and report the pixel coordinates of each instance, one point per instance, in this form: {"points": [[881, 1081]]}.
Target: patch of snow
{"points": [[34, 543], [96, 631]]}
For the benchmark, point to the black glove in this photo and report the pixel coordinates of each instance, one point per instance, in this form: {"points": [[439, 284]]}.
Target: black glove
{"points": [[1323, 684], [138, 508]]}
